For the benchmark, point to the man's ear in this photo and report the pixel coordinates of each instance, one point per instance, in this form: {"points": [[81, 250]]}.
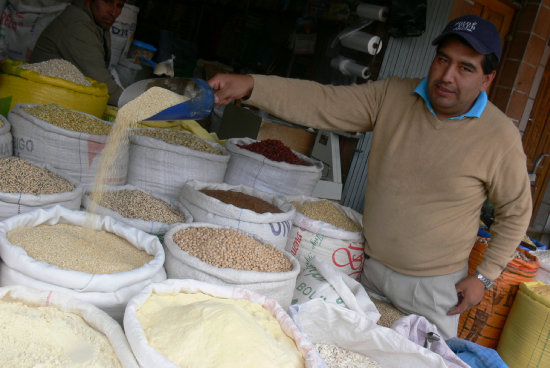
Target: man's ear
{"points": [[487, 79]]}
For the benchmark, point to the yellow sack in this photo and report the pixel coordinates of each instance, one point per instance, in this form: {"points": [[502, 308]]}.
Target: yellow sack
{"points": [[525, 339], [21, 85]]}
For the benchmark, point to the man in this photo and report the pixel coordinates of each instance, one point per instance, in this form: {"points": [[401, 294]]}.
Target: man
{"points": [[439, 149], [80, 34]]}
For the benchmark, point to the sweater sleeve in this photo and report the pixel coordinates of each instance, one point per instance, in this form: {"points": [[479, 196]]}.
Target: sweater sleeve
{"points": [[510, 193], [347, 108]]}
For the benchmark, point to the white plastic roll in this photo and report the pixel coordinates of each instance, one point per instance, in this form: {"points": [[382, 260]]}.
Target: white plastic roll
{"points": [[363, 42], [371, 11], [349, 67]]}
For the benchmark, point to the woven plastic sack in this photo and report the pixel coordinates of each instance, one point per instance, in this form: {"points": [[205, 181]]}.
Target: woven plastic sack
{"points": [[524, 339], [75, 155], [271, 227], [20, 85], [109, 292], [181, 265], [12, 204], [257, 171], [483, 323], [310, 238], [162, 168], [93, 316], [148, 357], [6, 139]]}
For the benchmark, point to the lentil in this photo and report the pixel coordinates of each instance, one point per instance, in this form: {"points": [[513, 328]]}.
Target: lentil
{"points": [[388, 313], [337, 357], [274, 150], [230, 248], [77, 248], [180, 139], [58, 68], [326, 211], [242, 200], [137, 204], [69, 119], [20, 176]]}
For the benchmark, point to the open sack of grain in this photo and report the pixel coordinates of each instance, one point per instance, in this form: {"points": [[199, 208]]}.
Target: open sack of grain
{"points": [[353, 330], [162, 160], [43, 328], [55, 81], [240, 207], [226, 256], [70, 141], [6, 139], [25, 186], [92, 258], [329, 231], [165, 327], [256, 170], [137, 208]]}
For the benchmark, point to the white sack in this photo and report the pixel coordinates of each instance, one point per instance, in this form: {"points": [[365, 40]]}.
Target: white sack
{"points": [[257, 171], [328, 323], [273, 228], [149, 357], [12, 204], [313, 238], [151, 227], [95, 317], [122, 32], [180, 265], [86, 286], [75, 155], [161, 168], [23, 22], [321, 280], [6, 139]]}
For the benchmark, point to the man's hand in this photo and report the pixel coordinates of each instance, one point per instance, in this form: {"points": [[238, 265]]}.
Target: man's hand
{"points": [[228, 87], [470, 291]]}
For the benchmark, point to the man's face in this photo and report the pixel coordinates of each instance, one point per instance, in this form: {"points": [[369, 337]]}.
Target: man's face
{"points": [[456, 78], [105, 11]]}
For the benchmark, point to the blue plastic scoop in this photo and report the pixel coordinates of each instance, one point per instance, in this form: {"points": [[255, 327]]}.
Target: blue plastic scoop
{"points": [[199, 105]]}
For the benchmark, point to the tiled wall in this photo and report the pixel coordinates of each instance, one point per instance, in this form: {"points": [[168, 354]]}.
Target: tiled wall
{"points": [[523, 63]]}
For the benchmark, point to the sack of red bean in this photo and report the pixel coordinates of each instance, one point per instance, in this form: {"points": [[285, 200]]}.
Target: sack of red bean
{"points": [[225, 256], [267, 215], [271, 167], [329, 231]]}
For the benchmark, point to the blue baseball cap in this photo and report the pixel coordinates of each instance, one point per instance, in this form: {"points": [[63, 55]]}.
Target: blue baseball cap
{"points": [[481, 34]]}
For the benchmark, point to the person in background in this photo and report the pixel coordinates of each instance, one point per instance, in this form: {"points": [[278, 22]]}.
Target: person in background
{"points": [[439, 150], [80, 34]]}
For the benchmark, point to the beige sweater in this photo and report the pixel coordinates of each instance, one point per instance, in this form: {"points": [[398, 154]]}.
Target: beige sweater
{"points": [[427, 178]]}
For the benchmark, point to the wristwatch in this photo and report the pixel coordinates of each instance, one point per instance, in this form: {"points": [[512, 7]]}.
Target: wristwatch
{"points": [[488, 283]]}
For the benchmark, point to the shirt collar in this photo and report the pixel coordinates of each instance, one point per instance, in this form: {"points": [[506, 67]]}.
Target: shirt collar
{"points": [[474, 112]]}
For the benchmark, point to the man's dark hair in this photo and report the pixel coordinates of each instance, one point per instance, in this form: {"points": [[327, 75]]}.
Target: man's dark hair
{"points": [[490, 62]]}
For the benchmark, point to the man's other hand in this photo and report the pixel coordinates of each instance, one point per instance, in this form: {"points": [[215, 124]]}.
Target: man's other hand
{"points": [[470, 291]]}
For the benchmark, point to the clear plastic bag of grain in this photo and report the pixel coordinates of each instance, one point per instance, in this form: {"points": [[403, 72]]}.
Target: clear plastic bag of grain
{"points": [[137, 208], [50, 329], [337, 357], [6, 138], [92, 258], [227, 256], [25, 186], [329, 231]]}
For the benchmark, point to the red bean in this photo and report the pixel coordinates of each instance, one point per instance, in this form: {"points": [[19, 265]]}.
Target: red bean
{"points": [[274, 150]]}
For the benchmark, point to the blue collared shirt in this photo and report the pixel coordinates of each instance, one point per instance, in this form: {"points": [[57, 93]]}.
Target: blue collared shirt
{"points": [[474, 112]]}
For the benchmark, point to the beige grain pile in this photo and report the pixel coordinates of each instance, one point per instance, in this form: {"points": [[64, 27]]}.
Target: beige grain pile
{"points": [[20, 176], [179, 138], [326, 211], [388, 313], [69, 119], [337, 357], [58, 68], [78, 248]]}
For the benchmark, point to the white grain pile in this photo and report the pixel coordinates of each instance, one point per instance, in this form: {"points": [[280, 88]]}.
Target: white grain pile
{"points": [[337, 357], [58, 68]]}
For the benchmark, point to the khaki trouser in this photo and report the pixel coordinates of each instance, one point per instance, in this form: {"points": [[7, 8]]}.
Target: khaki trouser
{"points": [[428, 296]]}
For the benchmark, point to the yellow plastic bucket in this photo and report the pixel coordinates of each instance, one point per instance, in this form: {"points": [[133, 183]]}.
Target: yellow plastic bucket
{"points": [[21, 85]]}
